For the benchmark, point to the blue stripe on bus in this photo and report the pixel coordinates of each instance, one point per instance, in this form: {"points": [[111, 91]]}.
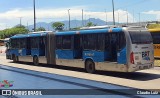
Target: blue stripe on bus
{"points": [[64, 54], [37, 52], [96, 56]]}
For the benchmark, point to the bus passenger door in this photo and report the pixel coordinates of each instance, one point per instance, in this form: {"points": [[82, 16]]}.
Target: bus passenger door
{"points": [[77, 47], [113, 46], [28, 46], [42, 45]]}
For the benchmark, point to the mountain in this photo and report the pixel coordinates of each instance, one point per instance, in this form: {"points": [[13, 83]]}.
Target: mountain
{"points": [[73, 24]]}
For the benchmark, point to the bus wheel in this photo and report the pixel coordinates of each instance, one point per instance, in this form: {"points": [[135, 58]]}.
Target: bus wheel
{"points": [[15, 59], [35, 60], [90, 66]]}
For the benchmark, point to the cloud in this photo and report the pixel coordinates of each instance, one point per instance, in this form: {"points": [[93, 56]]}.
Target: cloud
{"points": [[12, 17], [153, 12]]}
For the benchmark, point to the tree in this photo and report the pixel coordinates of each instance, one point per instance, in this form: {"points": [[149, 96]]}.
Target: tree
{"points": [[89, 24], [20, 26], [12, 31], [58, 26], [41, 29]]}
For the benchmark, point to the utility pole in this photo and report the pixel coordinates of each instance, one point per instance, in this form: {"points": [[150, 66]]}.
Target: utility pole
{"points": [[27, 25], [20, 21], [85, 20], [69, 18], [118, 18], [82, 18], [139, 18], [89, 18], [127, 17], [34, 7], [113, 13], [133, 16], [106, 16]]}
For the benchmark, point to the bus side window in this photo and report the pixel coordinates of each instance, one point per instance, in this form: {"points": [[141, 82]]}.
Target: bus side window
{"points": [[22, 43], [28, 43], [77, 42], [35, 43], [12, 43], [66, 42], [15, 43], [107, 42], [42, 43], [89, 41], [58, 42], [100, 42], [122, 41]]}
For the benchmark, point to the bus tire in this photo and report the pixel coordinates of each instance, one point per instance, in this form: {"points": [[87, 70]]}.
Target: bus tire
{"points": [[15, 58], [90, 66], [35, 61]]}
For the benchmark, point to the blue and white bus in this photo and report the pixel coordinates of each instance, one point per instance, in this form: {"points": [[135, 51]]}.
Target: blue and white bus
{"points": [[121, 49]]}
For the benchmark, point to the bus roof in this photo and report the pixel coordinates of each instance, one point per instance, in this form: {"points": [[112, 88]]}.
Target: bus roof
{"points": [[90, 31], [154, 30], [34, 34]]}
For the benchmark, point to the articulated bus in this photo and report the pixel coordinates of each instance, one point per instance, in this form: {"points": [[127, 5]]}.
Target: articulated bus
{"points": [[156, 41], [121, 49]]}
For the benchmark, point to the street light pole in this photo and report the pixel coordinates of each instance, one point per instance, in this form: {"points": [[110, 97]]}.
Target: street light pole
{"points": [[118, 18], [139, 18], [113, 13], [20, 21], [106, 16], [127, 16], [34, 15], [69, 18], [82, 18]]}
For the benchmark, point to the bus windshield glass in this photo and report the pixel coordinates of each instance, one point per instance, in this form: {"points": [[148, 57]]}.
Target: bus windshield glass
{"points": [[140, 37], [156, 37]]}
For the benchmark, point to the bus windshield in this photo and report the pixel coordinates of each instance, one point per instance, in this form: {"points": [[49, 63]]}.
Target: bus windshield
{"points": [[156, 37], [142, 37]]}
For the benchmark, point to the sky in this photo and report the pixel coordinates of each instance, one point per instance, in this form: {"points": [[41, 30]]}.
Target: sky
{"points": [[11, 11]]}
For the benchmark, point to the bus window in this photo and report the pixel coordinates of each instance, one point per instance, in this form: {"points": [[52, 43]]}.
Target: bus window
{"points": [[66, 42], [14, 43], [77, 43], [89, 41], [59, 42], [100, 42], [121, 41], [28, 46], [107, 42], [28, 43], [140, 37], [35, 42], [156, 38], [22, 43], [42, 43]]}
